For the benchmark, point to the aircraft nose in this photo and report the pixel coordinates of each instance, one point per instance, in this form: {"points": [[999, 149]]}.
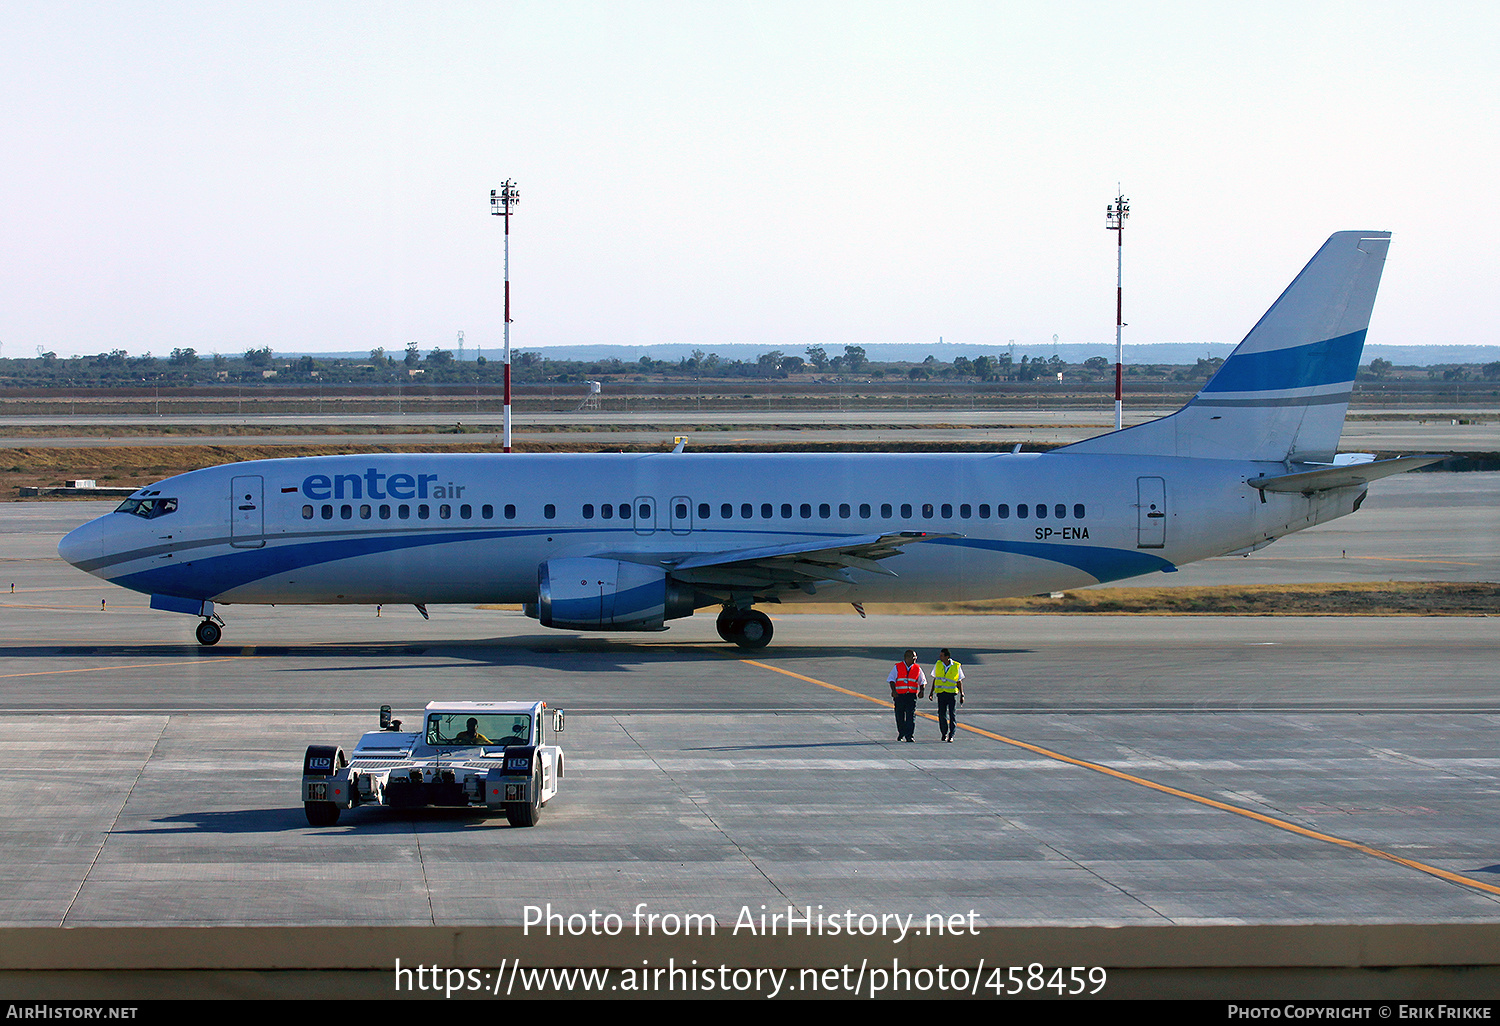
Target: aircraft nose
{"points": [[83, 544]]}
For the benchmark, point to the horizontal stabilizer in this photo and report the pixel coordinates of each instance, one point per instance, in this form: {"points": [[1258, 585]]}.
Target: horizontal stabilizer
{"points": [[1351, 476]]}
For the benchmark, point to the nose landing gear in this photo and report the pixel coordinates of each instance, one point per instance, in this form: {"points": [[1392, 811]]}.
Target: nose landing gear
{"points": [[749, 629]]}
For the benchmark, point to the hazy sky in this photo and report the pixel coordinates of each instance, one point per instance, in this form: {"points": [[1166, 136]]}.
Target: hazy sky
{"points": [[316, 176]]}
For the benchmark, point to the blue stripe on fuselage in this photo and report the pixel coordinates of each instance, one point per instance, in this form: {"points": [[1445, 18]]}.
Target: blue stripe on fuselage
{"points": [[205, 577], [1101, 564], [208, 577]]}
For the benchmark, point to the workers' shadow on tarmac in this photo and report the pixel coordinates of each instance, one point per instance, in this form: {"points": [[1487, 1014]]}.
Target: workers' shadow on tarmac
{"points": [[594, 654], [783, 747]]}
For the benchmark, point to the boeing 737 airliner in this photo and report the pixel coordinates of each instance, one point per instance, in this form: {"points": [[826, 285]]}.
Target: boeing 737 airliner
{"points": [[627, 542]]}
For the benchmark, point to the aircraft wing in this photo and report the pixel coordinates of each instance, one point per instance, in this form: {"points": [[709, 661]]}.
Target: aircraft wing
{"points": [[1341, 476], [798, 564]]}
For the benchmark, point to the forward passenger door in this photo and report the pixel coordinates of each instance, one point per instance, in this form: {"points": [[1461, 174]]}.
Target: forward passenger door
{"points": [[247, 524]]}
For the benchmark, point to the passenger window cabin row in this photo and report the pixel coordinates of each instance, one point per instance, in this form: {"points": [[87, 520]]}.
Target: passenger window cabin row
{"points": [[424, 511], [726, 511], [908, 511]]}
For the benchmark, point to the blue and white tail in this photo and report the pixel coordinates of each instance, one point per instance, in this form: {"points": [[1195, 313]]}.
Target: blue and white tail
{"points": [[1282, 394]]}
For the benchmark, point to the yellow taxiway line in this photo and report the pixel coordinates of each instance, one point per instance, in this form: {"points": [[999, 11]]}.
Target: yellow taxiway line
{"points": [[1212, 803]]}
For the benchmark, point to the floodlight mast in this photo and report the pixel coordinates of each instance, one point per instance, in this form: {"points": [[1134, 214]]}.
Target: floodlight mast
{"points": [[501, 200], [1114, 220]]}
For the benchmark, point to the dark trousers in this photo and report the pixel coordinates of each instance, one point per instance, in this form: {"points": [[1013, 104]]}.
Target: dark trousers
{"points": [[947, 713], [906, 715]]}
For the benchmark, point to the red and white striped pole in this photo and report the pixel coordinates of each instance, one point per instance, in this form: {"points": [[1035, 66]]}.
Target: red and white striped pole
{"points": [[501, 200], [1115, 215]]}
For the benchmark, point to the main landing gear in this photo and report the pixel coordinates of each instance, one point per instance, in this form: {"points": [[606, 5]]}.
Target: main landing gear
{"points": [[748, 628], [209, 633]]}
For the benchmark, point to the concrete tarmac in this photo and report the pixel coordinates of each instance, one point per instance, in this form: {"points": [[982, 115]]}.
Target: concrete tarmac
{"points": [[1111, 770]]}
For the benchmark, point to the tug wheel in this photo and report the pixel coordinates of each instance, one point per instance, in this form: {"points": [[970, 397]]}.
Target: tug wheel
{"points": [[321, 814]]}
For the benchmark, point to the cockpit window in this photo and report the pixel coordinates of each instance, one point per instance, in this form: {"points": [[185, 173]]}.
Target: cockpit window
{"points": [[148, 509], [478, 728]]}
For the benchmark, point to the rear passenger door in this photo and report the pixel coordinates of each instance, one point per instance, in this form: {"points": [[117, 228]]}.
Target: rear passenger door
{"points": [[1151, 513]]}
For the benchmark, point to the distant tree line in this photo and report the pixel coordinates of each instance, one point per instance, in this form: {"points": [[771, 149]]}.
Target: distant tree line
{"points": [[184, 366]]}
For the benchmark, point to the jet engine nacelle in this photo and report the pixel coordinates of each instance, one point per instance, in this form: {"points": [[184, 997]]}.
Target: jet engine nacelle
{"points": [[593, 594]]}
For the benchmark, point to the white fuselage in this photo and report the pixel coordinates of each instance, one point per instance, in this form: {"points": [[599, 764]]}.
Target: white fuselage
{"points": [[418, 528]]}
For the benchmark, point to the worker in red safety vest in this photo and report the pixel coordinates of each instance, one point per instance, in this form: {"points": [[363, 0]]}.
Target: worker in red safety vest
{"points": [[908, 683]]}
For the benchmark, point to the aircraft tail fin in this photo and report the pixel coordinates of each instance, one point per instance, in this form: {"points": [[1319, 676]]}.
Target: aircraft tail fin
{"points": [[1282, 394]]}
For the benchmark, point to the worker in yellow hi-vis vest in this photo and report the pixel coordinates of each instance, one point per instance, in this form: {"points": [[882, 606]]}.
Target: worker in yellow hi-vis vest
{"points": [[948, 690]]}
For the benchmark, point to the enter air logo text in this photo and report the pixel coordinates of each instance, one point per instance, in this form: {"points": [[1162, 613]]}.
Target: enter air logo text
{"points": [[375, 484]]}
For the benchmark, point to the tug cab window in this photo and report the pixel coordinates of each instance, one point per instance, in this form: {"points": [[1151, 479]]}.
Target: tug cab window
{"points": [[476, 728], [148, 509]]}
